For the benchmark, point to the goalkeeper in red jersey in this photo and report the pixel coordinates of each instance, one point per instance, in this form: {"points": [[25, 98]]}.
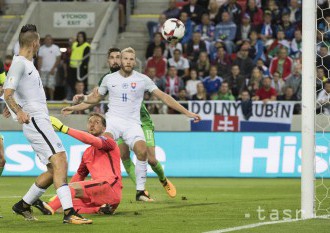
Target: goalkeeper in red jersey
{"points": [[101, 160]]}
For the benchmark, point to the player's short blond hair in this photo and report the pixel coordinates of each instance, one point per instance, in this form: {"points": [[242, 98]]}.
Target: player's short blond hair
{"points": [[128, 50]]}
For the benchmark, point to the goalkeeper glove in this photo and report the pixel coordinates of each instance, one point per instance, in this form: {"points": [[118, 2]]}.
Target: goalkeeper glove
{"points": [[58, 125]]}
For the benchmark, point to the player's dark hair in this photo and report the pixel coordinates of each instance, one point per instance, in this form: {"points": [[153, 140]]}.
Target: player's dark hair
{"points": [[112, 50], [27, 35], [104, 123]]}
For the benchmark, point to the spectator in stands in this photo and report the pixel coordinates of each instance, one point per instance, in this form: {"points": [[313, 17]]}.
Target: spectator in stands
{"points": [[195, 47], [122, 15], [194, 11], [281, 63], [296, 44], [201, 93], [320, 79], [275, 10], [213, 10], [234, 9], [49, 56], [278, 83], [263, 68], [288, 95], [246, 104], [7, 63], [157, 42], [79, 59], [226, 31], [173, 83], [154, 27], [160, 82], [172, 11], [212, 83], [294, 81], [255, 13], [258, 47], [170, 47], [287, 26], [157, 61], [206, 28], [256, 75], [266, 92], [79, 89], [156, 108], [278, 43], [244, 62], [203, 65], [323, 58], [180, 63], [243, 30], [323, 24], [236, 81], [191, 85], [294, 11], [224, 93], [188, 34], [223, 62], [2, 7], [182, 96], [324, 97], [267, 30]]}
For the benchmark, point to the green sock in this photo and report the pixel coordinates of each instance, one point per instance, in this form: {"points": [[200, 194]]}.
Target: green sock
{"points": [[158, 169], [1, 170], [130, 169]]}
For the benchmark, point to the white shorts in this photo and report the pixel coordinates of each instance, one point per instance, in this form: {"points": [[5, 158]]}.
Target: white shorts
{"points": [[47, 79], [130, 132], [43, 138]]}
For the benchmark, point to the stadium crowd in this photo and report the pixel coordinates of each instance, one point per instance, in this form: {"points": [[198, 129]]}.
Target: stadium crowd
{"points": [[232, 49]]}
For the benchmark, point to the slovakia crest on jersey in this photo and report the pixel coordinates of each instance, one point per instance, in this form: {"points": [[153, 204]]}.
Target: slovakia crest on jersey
{"points": [[133, 85]]}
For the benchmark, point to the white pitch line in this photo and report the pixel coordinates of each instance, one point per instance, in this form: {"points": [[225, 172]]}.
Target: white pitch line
{"points": [[262, 224]]}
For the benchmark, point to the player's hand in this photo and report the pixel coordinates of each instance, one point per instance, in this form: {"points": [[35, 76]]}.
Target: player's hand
{"points": [[23, 117], [78, 98], [58, 125], [67, 110], [6, 113], [196, 117]]}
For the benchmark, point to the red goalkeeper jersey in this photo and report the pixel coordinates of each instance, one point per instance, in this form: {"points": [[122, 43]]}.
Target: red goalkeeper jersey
{"points": [[101, 161]]}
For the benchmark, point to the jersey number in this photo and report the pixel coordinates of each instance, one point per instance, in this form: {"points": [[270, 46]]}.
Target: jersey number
{"points": [[124, 97]]}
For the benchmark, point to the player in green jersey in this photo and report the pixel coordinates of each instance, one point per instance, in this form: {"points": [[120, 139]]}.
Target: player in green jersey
{"points": [[148, 129]]}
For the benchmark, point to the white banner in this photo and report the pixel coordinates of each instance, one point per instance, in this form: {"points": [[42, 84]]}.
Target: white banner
{"points": [[74, 19]]}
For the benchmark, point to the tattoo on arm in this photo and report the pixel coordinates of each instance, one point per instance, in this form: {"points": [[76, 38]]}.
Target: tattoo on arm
{"points": [[12, 104]]}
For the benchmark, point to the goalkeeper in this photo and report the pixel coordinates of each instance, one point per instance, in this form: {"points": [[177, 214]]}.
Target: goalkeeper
{"points": [[103, 193], [148, 129]]}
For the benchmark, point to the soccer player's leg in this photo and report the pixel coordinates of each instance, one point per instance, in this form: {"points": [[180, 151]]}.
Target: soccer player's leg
{"points": [[134, 137], [2, 155], [154, 163], [126, 159]]}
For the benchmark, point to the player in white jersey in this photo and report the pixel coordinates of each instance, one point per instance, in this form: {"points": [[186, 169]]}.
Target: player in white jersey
{"points": [[126, 89], [23, 79]]}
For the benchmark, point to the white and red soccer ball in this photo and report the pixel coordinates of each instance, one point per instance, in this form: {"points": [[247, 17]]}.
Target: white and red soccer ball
{"points": [[173, 29]]}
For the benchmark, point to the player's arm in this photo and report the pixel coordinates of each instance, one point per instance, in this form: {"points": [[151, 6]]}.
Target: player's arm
{"points": [[79, 107], [171, 102], [14, 76], [84, 137], [93, 98]]}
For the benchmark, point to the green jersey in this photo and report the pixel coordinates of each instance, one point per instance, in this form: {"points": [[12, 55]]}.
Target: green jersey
{"points": [[144, 114]]}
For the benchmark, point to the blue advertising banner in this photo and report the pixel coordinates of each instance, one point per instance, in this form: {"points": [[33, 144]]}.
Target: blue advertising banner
{"points": [[194, 154]]}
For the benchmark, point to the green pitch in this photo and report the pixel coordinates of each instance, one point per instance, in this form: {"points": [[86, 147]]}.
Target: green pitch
{"points": [[201, 205]]}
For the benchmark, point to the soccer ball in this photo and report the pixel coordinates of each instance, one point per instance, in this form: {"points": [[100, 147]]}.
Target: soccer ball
{"points": [[173, 29]]}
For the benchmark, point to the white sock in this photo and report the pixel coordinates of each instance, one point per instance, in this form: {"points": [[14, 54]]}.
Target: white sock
{"points": [[65, 197], [141, 174], [33, 194]]}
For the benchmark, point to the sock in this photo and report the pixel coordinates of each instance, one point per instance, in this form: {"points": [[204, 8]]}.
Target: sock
{"points": [[158, 169], [141, 174], [130, 169], [1, 170], [33, 194], [55, 203], [65, 194]]}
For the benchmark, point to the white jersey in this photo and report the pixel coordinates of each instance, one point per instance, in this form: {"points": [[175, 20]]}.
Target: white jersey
{"points": [[24, 78], [126, 94], [49, 56]]}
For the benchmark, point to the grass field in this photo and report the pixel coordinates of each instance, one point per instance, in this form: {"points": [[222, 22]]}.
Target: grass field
{"points": [[201, 205]]}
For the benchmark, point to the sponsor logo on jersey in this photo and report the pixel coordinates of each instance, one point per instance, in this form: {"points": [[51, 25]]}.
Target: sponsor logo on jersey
{"points": [[125, 85], [133, 85]]}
